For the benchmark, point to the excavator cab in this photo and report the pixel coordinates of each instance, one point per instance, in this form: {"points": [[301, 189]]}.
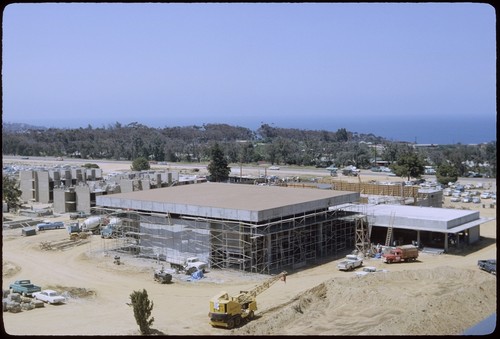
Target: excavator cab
{"points": [[231, 311], [228, 312]]}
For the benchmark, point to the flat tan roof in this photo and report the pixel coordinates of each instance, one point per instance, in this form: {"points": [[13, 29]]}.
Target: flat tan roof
{"points": [[209, 199]]}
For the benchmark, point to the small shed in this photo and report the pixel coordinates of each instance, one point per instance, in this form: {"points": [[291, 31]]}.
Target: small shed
{"points": [[27, 231]]}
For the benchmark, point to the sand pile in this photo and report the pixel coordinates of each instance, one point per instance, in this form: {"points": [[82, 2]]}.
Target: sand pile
{"points": [[391, 303]]}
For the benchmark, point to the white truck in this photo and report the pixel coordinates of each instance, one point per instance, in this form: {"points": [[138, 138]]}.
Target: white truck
{"points": [[350, 262], [188, 265]]}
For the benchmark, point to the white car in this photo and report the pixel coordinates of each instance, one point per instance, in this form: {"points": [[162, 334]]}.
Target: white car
{"points": [[49, 296], [447, 193], [274, 168], [455, 199], [485, 195]]}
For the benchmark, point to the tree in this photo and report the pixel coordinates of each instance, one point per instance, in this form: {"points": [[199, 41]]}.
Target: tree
{"points": [[140, 164], [142, 310], [218, 167], [446, 173], [11, 193], [409, 165], [342, 135]]}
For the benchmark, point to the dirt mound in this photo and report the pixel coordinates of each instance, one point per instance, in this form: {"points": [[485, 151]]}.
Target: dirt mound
{"points": [[9, 269], [385, 303]]}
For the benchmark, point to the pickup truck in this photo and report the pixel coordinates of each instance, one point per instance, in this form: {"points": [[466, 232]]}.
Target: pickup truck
{"points": [[188, 265], [351, 262], [24, 287], [488, 265], [78, 215], [49, 225]]}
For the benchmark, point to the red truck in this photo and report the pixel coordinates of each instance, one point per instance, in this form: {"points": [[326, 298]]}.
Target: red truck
{"points": [[404, 253]]}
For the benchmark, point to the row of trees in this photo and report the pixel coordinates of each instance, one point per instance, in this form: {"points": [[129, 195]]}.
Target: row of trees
{"points": [[281, 146], [186, 144]]}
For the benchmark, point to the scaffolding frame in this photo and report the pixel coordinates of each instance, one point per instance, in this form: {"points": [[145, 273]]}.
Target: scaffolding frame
{"points": [[264, 247]]}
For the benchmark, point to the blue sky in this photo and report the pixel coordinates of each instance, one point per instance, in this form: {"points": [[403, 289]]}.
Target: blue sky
{"points": [[423, 72]]}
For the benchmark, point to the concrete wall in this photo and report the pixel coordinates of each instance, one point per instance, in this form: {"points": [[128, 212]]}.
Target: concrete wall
{"points": [[27, 182], [59, 203], [43, 187], [126, 185], [145, 184], [82, 198]]}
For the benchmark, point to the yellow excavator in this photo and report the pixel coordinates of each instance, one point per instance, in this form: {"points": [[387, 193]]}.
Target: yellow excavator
{"points": [[231, 311]]}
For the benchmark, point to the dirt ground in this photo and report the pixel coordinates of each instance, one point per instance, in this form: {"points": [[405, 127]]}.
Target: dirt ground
{"points": [[440, 294]]}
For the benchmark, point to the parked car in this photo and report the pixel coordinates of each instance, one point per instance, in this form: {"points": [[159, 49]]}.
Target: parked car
{"points": [[49, 296], [476, 200], [455, 199], [78, 215], [274, 168], [49, 225], [486, 195], [466, 199], [488, 265]]}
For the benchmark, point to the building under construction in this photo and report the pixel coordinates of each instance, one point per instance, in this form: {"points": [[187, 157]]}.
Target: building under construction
{"points": [[261, 229], [265, 229]]}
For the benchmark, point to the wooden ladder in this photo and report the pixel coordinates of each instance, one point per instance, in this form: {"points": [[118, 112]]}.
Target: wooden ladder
{"points": [[388, 237], [389, 231]]}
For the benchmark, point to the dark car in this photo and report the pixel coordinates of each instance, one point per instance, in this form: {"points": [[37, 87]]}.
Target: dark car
{"points": [[488, 265]]}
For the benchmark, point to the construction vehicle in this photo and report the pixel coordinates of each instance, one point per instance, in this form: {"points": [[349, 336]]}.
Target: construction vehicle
{"points": [[188, 265], [112, 229], [404, 253], [74, 230], [93, 223], [231, 311], [162, 276]]}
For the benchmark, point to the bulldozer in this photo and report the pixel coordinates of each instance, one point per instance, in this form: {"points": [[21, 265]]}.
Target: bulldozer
{"points": [[231, 311]]}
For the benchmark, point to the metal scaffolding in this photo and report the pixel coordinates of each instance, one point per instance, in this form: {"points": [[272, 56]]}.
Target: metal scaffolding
{"points": [[264, 247]]}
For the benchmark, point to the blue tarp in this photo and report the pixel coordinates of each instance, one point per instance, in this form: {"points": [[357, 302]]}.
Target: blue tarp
{"points": [[197, 275]]}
